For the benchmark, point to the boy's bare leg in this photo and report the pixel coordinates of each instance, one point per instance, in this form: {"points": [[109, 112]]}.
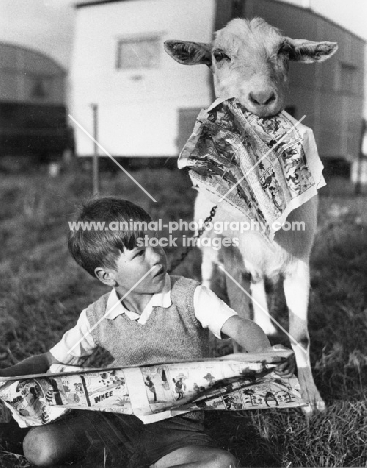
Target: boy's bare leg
{"points": [[197, 457], [57, 443]]}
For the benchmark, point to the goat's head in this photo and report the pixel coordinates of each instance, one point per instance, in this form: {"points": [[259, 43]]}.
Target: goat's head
{"points": [[249, 61]]}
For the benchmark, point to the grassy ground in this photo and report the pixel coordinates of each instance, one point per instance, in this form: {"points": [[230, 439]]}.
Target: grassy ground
{"points": [[43, 291]]}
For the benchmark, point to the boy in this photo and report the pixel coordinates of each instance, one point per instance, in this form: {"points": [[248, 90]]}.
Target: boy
{"points": [[148, 317]]}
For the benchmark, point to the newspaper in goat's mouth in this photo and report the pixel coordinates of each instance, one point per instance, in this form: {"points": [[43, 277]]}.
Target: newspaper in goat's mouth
{"points": [[263, 167]]}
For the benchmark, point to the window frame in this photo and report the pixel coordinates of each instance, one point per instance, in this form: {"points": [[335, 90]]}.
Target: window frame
{"points": [[352, 70], [155, 37]]}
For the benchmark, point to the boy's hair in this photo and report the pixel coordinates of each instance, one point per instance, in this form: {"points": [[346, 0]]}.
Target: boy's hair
{"points": [[111, 225]]}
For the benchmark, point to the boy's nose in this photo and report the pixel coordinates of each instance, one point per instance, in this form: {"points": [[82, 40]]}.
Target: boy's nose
{"points": [[156, 254]]}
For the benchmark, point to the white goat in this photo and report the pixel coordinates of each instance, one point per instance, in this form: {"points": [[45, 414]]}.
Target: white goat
{"points": [[249, 61]]}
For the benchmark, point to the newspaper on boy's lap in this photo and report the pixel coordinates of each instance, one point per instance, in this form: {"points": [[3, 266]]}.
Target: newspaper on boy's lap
{"points": [[152, 392]]}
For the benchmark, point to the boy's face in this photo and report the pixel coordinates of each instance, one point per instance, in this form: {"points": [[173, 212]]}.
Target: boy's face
{"points": [[133, 264]]}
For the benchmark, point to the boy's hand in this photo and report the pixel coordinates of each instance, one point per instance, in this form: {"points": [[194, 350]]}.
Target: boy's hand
{"points": [[38, 364], [287, 368], [246, 333]]}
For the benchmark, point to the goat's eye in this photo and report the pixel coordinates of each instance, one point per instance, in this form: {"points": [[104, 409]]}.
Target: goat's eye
{"points": [[219, 55], [284, 48]]}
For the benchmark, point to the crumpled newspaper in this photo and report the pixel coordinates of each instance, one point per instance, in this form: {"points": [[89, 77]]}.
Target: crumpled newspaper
{"points": [[263, 167], [153, 392]]}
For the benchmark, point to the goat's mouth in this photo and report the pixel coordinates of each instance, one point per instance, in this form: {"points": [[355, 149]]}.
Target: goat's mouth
{"points": [[265, 113], [263, 110]]}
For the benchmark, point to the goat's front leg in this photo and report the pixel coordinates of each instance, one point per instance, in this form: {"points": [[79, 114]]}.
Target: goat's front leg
{"points": [[207, 266], [260, 307], [296, 290]]}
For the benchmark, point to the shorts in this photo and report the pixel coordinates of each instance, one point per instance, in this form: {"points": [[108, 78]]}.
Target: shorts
{"points": [[118, 440]]}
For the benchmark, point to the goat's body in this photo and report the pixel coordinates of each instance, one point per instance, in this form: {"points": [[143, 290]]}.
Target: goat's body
{"points": [[249, 61], [261, 257]]}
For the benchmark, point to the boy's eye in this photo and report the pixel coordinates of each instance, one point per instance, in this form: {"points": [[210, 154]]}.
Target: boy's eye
{"points": [[140, 253]]}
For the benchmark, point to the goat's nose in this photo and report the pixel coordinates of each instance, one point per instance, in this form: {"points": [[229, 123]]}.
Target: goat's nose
{"points": [[262, 98]]}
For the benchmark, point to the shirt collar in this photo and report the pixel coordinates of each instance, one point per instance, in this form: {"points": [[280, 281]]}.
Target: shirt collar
{"points": [[161, 299]]}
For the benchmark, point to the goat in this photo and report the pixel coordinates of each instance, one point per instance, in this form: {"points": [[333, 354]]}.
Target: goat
{"points": [[249, 60]]}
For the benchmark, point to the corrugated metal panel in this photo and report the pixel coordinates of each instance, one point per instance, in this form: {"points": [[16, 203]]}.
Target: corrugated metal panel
{"points": [[8, 85], [32, 103], [34, 62], [32, 129], [224, 12], [293, 22], [29, 76], [8, 56], [186, 122], [330, 132]]}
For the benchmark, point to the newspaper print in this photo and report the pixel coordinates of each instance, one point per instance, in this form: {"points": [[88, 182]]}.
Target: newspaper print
{"points": [[275, 165], [152, 392]]}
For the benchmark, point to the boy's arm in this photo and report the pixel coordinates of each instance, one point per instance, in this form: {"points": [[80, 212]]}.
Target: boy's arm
{"points": [[37, 364], [246, 333], [252, 338], [214, 314], [76, 344]]}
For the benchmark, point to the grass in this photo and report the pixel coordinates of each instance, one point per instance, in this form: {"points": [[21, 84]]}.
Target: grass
{"points": [[43, 292]]}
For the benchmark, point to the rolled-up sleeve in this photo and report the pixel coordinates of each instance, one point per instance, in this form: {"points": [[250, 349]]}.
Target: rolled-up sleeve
{"points": [[211, 311], [77, 343]]}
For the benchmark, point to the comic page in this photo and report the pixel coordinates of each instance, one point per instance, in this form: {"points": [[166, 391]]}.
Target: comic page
{"points": [[159, 390], [152, 392], [108, 390]]}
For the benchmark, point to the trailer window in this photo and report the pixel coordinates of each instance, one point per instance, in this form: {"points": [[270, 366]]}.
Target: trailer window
{"points": [[348, 78], [40, 88], [142, 52]]}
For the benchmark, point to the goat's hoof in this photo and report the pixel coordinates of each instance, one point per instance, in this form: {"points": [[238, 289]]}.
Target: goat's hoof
{"points": [[313, 403], [320, 405], [309, 409], [309, 392]]}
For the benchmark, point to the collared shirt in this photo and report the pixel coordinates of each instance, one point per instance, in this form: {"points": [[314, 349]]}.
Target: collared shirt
{"points": [[210, 311]]}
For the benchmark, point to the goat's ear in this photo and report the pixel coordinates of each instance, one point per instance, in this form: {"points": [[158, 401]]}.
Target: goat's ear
{"points": [[302, 50], [189, 53]]}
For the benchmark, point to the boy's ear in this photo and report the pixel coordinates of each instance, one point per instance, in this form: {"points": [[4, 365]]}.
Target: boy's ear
{"points": [[106, 277]]}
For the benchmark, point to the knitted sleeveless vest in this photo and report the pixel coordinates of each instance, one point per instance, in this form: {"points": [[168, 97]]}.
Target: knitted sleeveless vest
{"points": [[169, 334]]}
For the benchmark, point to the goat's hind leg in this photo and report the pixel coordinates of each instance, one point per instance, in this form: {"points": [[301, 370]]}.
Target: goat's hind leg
{"points": [[296, 290]]}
